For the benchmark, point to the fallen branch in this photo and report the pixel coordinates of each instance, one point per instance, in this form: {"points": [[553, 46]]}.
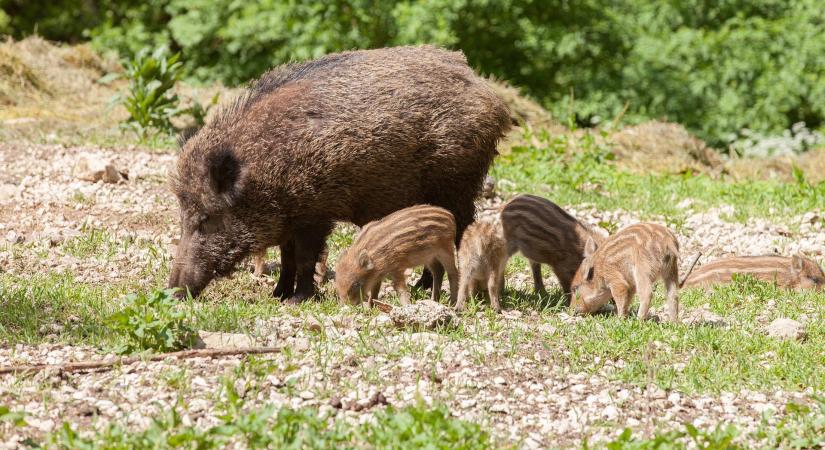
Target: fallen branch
{"points": [[126, 360]]}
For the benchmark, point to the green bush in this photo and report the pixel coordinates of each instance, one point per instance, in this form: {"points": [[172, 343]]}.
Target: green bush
{"points": [[716, 67], [152, 322], [150, 101]]}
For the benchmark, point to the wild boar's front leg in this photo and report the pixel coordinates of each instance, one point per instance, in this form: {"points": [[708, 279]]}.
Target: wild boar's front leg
{"points": [[286, 279], [538, 283], [308, 248]]}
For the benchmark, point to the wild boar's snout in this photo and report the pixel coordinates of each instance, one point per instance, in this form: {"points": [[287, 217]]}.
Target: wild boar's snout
{"points": [[184, 275]]}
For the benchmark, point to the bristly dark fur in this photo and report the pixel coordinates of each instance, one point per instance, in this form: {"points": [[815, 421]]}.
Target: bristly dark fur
{"points": [[187, 134], [348, 137], [278, 77]]}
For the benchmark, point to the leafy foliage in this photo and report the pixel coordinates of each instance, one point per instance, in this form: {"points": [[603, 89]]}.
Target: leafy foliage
{"points": [[575, 170], [152, 322], [412, 427], [150, 100], [13, 417], [716, 67]]}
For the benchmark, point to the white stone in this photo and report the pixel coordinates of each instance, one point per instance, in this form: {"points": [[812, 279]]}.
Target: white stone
{"points": [[784, 328]]}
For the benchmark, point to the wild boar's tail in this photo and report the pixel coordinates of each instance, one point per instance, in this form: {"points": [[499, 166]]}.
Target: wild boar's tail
{"points": [[690, 269]]}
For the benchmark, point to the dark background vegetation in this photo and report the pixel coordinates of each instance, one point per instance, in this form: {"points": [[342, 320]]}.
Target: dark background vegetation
{"points": [[716, 66]]}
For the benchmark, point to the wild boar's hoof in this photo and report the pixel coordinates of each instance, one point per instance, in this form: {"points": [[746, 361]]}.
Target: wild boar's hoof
{"points": [[296, 299], [283, 290]]}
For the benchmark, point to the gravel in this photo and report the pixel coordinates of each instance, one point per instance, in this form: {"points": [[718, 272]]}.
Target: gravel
{"points": [[347, 364]]}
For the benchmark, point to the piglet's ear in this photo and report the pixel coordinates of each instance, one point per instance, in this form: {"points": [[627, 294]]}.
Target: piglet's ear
{"points": [[797, 262], [225, 175], [364, 260], [589, 247]]}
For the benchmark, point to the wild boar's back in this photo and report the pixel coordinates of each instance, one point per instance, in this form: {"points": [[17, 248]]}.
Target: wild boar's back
{"points": [[357, 135]]}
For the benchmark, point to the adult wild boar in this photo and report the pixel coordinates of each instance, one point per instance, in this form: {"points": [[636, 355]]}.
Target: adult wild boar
{"points": [[352, 136]]}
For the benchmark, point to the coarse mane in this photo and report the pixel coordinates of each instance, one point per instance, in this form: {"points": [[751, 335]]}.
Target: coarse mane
{"points": [[276, 78]]}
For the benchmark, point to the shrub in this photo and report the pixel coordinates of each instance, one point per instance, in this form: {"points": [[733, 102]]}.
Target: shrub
{"points": [[149, 100], [152, 322]]}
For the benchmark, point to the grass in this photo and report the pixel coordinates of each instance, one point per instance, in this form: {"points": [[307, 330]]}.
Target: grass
{"points": [[413, 427], [575, 171], [40, 306]]}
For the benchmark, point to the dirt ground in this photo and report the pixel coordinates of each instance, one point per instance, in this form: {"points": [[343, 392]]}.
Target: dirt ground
{"points": [[527, 394]]}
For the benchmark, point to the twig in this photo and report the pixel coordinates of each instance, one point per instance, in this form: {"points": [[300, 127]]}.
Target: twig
{"points": [[126, 360], [690, 269]]}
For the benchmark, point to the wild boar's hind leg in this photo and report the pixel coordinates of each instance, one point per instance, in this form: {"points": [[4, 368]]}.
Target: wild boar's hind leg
{"points": [[671, 279], [446, 261], [286, 279], [621, 295], [309, 245]]}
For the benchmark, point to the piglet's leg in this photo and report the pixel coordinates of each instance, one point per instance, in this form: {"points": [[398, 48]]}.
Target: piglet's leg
{"points": [[538, 283], [645, 295], [622, 295], [494, 282], [672, 299], [399, 282], [438, 277], [447, 260], [465, 289]]}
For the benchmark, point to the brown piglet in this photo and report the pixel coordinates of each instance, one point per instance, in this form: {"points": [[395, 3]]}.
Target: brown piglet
{"points": [[797, 272], [482, 259], [628, 262], [546, 234], [414, 236]]}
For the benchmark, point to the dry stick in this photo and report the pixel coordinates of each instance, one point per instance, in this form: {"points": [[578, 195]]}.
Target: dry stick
{"points": [[111, 363], [690, 269]]}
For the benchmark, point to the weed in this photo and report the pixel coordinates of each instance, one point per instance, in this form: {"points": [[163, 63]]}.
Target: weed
{"points": [[152, 322], [412, 427], [149, 100]]}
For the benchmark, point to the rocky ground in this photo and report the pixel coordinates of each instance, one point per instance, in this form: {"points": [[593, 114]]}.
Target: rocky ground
{"points": [[495, 371]]}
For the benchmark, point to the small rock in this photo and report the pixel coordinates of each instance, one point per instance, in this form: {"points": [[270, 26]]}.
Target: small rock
{"points": [[314, 325], [307, 395], [209, 339], [13, 238], [425, 314], [610, 412], [469, 403], [703, 317], [500, 408], [784, 328], [7, 193], [499, 380], [93, 168], [336, 403]]}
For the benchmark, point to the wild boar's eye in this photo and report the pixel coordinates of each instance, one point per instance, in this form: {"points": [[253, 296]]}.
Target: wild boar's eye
{"points": [[589, 274]]}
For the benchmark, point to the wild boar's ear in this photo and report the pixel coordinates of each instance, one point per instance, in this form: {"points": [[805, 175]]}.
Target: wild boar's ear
{"points": [[364, 260], [589, 247], [225, 175]]}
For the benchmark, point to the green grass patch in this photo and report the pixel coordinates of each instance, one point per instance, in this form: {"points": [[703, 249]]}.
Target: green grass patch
{"points": [[412, 427], [572, 171], [703, 357]]}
